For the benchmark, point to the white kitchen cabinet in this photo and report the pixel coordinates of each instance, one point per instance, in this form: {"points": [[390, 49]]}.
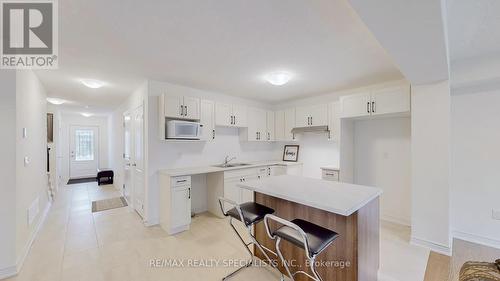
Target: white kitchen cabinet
{"points": [[271, 126], [207, 119], [180, 107], [175, 203], [356, 105], [313, 115], [256, 125], [289, 124], [231, 189], [228, 115], [391, 100], [334, 112], [380, 101], [279, 125]]}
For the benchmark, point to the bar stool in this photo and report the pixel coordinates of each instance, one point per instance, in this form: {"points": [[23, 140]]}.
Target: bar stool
{"points": [[313, 238], [249, 214]]}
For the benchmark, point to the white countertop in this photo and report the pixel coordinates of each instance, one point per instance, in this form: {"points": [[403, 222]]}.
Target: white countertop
{"points": [[211, 169], [335, 197], [332, 168]]}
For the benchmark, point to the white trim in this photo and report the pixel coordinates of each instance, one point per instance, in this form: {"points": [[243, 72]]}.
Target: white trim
{"points": [[8, 272], [26, 250], [438, 248], [396, 220], [382, 277], [477, 239]]}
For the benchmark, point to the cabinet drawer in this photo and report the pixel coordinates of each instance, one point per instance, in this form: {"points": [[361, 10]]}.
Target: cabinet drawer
{"points": [[330, 175], [180, 181]]}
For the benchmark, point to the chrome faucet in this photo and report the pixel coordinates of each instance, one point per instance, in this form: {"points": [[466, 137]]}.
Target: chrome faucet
{"points": [[227, 160]]}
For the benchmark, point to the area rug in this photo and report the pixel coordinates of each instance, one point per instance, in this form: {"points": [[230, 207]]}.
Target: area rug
{"points": [[84, 180], [108, 204]]}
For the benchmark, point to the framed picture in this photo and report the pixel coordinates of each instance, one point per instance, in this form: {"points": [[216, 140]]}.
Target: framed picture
{"points": [[291, 153]]}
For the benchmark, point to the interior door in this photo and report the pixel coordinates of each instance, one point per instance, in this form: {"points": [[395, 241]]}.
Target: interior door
{"points": [[192, 108], [138, 163], [127, 158], [84, 152], [356, 105]]}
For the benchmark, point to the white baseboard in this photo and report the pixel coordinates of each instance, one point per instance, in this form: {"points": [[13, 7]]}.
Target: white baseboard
{"points": [[7, 272], [477, 239], [27, 247], [445, 250], [396, 220]]}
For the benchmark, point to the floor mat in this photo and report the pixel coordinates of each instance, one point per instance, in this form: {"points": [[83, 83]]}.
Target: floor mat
{"points": [[84, 180], [108, 204]]}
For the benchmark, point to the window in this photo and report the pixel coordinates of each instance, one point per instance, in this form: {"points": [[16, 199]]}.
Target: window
{"points": [[84, 145]]}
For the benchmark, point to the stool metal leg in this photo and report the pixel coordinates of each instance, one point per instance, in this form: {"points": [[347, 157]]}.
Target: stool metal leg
{"points": [[246, 247], [285, 264], [313, 269]]}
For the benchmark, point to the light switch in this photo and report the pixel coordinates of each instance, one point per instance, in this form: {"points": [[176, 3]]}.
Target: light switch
{"points": [[496, 214]]}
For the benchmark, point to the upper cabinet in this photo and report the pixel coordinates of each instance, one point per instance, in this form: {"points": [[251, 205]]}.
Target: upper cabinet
{"points": [[229, 115], [257, 125], [181, 107], [284, 122], [315, 115], [207, 119], [271, 126], [334, 121], [381, 101]]}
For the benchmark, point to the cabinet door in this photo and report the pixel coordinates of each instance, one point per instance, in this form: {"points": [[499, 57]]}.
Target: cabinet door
{"points": [[245, 194], [253, 124], [181, 206], [240, 115], [302, 116], [289, 123], [173, 107], [271, 135], [191, 108], [394, 99], [334, 121], [319, 115], [356, 105], [223, 113], [207, 119], [231, 192], [279, 122]]}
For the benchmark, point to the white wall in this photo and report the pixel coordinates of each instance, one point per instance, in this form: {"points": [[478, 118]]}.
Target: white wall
{"points": [[475, 166], [382, 158], [31, 179], [431, 165], [76, 119], [7, 172]]}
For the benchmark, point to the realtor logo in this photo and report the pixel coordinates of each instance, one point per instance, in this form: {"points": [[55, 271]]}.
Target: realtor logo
{"points": [[29, 34]]}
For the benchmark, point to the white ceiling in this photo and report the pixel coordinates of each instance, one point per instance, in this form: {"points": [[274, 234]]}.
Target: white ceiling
{"points": [[412, 32], [474, 28], [218, 45]]}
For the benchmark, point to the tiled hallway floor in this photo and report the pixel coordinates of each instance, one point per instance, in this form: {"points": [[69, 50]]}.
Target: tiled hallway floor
{"points": [[78, 245]]}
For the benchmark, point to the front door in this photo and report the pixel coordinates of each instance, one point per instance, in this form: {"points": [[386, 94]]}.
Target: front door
{"points": [[84, 152]]}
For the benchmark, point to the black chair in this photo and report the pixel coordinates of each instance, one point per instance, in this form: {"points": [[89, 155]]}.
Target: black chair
{"points": [[313, 238], [249, 214]]}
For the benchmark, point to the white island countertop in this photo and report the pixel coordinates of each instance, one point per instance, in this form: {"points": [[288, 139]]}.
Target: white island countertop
{"points": [[188, 171], [335, 197]]}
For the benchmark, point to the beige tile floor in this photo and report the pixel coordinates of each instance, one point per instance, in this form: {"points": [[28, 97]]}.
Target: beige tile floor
{"points": [[78, 245]]}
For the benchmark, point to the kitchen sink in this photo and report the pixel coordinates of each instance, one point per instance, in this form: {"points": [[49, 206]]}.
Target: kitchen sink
{"points": [[231, 165]]}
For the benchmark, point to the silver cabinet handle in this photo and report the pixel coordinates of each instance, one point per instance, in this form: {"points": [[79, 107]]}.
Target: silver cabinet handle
{"points": [[368, 107], [182, 110], [373, 107], [311, 120], [268, 136], [186, 110], [234, 120], [213, 134], [189, 194]]}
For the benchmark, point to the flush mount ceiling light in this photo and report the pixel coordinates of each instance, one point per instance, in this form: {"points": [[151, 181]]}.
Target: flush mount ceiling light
{"points": [[278, 78], [91, 83], [56, 101], [85, 114]]}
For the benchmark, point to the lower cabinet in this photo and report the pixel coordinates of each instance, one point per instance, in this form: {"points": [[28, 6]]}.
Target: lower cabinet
{"points": [[175, 203]]}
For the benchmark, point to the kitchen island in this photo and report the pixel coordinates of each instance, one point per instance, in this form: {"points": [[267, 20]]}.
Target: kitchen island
{"points": [[348, 209]]}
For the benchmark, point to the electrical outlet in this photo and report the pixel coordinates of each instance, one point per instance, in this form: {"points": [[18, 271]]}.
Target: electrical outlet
{"points": [[496, 214]]}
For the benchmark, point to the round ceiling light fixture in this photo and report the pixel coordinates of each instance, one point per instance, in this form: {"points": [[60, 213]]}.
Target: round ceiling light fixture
{"points": [[278, 78], [86, 114], [56, 101], [91, 83]]}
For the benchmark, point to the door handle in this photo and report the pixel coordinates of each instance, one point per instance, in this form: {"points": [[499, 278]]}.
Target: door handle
{"points": [[373, 107]]}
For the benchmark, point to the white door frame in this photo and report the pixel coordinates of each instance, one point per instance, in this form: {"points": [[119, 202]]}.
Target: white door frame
{"points": [[96, 147], [128, 191]]}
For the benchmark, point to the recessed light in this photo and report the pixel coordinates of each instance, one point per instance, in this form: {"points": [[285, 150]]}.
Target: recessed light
{"points": [[91, 83], [56, 101], [278, 78], [86, 114]]}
